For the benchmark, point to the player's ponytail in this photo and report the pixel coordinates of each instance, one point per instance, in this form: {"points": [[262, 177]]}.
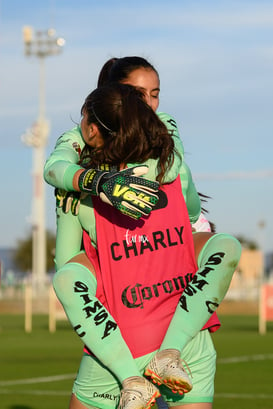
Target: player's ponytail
{"points": [[131, 131]]}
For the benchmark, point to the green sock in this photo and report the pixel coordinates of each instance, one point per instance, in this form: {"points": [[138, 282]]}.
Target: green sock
{"points": [[75, 287], [217, 262]]}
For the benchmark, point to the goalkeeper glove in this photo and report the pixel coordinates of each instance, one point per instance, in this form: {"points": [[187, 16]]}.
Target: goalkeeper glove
{"points": [[68, 201], [132, 195]]}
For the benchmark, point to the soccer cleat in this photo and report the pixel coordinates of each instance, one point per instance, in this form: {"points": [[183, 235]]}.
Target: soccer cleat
{"points": [[138, 393], [166, 368]]}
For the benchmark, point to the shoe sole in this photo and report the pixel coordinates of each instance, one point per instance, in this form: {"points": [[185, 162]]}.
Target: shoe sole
{"points": [[152, 401], [175, 386]]}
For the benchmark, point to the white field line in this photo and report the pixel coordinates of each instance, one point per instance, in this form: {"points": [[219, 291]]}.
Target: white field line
{"points": [[34, 392], [243, 396], [37, 380], [247, 358], [48, 379]]}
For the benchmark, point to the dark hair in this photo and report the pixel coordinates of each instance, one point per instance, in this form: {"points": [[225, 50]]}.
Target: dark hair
{"points": [[119, 69], [131, 131]]}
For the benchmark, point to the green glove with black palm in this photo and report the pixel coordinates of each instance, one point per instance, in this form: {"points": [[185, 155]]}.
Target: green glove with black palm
{"points": [[68, 201]]}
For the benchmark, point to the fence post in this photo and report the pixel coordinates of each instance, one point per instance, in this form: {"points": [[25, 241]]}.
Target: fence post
{"points": [[52, 310], [28, 308]]}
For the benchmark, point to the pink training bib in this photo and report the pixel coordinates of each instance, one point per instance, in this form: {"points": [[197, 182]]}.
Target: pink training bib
{"points": [[143, 267]]}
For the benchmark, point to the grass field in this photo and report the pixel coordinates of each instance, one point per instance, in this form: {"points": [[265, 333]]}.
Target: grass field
{"points": [[37, 369]]}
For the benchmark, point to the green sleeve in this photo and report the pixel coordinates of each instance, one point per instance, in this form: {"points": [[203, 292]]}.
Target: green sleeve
{"points": [[61, 165], [171, 125], [172, 173], [190, 193], [70, 230], [87, 217], [68, 237]]}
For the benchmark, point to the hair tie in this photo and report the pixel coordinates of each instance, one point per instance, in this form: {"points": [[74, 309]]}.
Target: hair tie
{"points": [[99, 121]]}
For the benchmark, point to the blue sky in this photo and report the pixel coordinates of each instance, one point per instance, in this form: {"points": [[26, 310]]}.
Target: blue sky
{"points": [[215, 60]]}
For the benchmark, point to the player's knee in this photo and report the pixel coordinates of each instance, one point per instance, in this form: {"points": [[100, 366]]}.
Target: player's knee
{"points": [[233, 247], [62, 278], [227, 247]]}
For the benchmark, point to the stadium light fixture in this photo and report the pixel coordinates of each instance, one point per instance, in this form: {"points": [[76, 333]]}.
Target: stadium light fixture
{"points": [[40, 44]]}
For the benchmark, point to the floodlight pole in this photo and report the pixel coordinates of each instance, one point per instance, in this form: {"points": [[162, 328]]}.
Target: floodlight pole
{"points": [[40, 44]]}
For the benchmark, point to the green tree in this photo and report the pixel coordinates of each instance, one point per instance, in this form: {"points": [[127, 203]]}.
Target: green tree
{"points": [[23, 253], [249, 244]]}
